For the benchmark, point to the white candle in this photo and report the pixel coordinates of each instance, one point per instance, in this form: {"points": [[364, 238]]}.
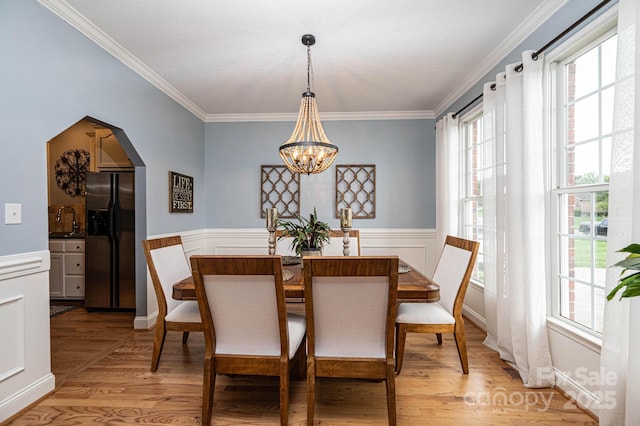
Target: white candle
{"points": [[345, 218], [272, 217]]}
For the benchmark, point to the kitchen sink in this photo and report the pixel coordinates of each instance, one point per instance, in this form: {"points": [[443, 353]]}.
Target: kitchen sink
{"points": [[66, 235]]}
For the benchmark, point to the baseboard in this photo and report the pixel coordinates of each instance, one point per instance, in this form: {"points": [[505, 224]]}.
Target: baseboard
{"points": [[21, 401], [474, 317], [145, 322], [576, 394]]}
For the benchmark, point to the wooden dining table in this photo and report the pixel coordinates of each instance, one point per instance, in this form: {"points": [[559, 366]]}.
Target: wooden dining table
{"points": [[412, 286]]}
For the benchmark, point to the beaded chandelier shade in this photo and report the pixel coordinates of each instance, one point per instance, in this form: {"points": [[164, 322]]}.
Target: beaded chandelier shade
{"points": [[308, 150]]}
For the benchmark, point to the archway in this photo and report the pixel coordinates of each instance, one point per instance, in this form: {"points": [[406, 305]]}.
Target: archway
{"points": [[80, 139]]}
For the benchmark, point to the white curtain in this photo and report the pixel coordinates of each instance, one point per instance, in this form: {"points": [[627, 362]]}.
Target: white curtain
{"points": [[447, 178], [514, 215], [620, 356]]}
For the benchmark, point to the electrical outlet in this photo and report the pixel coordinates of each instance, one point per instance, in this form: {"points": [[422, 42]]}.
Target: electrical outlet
{"points": [[12, 214]]}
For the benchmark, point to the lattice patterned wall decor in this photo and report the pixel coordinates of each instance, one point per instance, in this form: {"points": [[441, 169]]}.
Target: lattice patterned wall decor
{"points": [[280, 188], [356, 188]]}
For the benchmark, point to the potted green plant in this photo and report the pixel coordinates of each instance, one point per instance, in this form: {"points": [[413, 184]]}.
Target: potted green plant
{"points": [[308, 235], [631, 281]]}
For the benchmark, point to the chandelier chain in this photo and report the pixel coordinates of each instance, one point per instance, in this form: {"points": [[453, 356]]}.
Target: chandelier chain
{"points": [[308, 68]]}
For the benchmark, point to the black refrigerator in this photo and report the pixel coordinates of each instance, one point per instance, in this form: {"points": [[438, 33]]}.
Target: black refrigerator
{"points": [[110, 241]]}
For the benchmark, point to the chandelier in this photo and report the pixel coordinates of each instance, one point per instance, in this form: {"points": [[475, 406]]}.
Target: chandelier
{"points": [[308, 150]]}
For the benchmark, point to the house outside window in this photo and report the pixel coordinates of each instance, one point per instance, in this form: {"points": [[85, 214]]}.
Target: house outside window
{"points": [[584, 92]]}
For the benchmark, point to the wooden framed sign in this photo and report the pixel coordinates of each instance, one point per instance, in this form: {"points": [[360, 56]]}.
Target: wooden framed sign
{"points": [[180, 193]]}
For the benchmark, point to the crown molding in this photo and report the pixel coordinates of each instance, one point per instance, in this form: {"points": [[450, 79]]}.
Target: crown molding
{"points": [[325, 116], [509, 43], [70, 15]]}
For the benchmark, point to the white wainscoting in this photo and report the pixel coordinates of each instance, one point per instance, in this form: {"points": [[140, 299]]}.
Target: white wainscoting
{"points": [[12, 336], [25, 363], [415, 246]]}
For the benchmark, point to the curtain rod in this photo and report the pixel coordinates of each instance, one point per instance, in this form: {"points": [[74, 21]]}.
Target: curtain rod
{"points": [[535, 55]]}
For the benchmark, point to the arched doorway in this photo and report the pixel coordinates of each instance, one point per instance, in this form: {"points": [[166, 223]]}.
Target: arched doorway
{"points": [[107, 149]]}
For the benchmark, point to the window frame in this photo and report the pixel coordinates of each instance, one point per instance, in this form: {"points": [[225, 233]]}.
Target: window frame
{"points": [[556, 61], [469, 117]]}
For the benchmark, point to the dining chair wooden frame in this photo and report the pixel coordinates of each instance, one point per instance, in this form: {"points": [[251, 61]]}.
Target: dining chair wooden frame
{"points": [[182, 315], [244, 332], [354, 241], [350, 305], [282, 245], [417, 317]]}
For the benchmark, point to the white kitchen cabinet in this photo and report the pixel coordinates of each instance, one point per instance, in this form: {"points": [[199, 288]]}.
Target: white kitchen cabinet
{"points": [[109, 154], [74, 286], [66, 277]]}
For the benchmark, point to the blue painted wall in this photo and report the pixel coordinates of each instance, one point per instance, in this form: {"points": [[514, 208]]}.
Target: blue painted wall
{"points": [[51, 77], [402, 150], [569, 13]]}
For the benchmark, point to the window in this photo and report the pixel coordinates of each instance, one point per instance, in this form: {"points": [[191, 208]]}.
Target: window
{"points": [[585, 88], [472, 169]]}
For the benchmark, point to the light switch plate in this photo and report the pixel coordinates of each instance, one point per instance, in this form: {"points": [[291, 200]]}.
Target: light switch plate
{"points": [[12, 214]]}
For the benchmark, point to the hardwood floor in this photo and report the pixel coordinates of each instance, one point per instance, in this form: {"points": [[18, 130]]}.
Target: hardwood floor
{"points": [[103, 376], [78, 339]]}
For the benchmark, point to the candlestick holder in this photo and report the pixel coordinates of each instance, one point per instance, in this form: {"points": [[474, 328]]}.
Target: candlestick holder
{"points": [[345, 241], [272, 240], [272, 224]]}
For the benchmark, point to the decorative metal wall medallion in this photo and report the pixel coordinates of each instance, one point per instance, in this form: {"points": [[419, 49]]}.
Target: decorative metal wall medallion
{"points": [[71, 172], [280, 188], [356, 189]]}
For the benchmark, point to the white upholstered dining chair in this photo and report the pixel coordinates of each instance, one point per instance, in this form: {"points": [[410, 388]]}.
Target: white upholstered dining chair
{"points": [[247, 329], [452, 274], [350, 305], [168, 265], [335, 246]]}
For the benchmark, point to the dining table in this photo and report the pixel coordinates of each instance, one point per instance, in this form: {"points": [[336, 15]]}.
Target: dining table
{"points": [[412, 285]]}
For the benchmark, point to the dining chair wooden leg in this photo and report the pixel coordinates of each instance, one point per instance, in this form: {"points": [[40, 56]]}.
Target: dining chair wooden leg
{"points": [[158, 344], [439, 338], [461, 343], [208, 387], [284, 393], [311, 392], [298, 366], [391, 394], [185, 336], [401, 336]]}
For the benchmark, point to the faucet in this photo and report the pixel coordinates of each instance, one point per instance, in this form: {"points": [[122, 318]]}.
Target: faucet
{"points": [[75, 228]]}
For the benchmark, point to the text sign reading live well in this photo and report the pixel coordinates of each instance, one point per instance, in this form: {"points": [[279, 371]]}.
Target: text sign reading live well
{"points": [[180, 193]]}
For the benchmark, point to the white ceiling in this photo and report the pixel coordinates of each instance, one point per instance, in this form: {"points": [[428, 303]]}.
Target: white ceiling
{"points": [[230, 60]]}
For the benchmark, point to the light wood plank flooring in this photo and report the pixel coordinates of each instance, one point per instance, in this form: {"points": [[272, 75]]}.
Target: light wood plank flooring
{"points": [[103, 376]]}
